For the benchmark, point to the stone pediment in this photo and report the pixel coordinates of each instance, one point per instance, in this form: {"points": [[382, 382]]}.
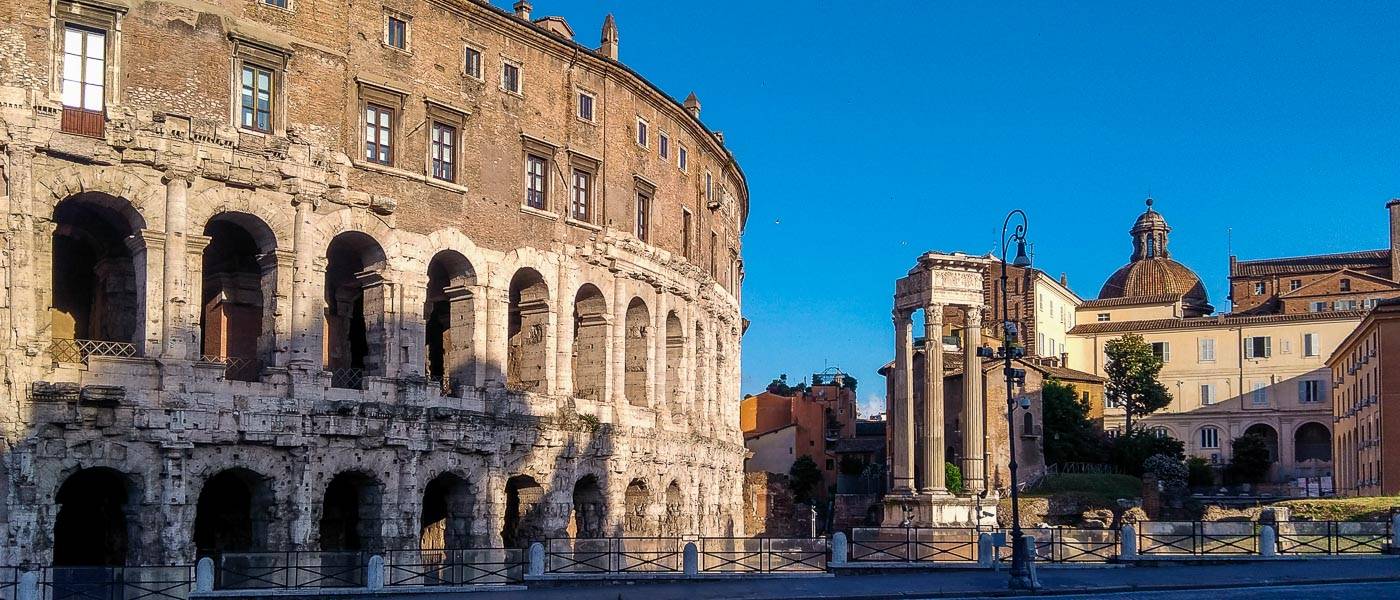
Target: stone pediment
{"points": [[1327, 286]]}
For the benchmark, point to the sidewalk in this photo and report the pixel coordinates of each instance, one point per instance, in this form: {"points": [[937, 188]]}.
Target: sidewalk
{"points": [[982, 583]]}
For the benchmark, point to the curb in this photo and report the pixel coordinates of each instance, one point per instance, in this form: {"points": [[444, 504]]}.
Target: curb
{"points": [[1123, 589]]}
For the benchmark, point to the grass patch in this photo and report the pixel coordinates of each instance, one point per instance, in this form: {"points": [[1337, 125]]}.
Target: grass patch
{"points": [[1343, 509], [1104, 487]]}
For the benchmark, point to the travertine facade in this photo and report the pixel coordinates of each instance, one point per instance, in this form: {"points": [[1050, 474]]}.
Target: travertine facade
{"points": [[319, 275]]}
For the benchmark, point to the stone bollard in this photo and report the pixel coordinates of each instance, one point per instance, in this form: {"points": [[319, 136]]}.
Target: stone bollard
{"points": [[1029, 542], [1268, 541], [1127, 543], [204, 575], [690, 560], [840, 548], [374, 573], [1395, 532], [986, 550], [536, 566], [28, 586]]}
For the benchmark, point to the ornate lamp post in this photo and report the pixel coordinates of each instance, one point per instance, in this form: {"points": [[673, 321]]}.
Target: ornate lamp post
{"points": [[1020, 560]]}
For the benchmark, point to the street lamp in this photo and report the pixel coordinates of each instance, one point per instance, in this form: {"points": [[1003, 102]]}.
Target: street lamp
{"points": [[1020, 559]]}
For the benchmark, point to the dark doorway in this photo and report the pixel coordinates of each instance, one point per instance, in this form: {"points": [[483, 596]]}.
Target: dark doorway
{"points": [[446, 517], [232, 513], [91, 528], [350, 515]]}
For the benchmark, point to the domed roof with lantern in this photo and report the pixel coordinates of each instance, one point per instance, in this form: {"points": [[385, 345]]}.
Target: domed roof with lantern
{"points": [[1152, 273]]}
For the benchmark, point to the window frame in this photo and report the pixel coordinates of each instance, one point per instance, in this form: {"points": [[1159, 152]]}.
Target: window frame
{"points": [[1103, 317], [592, 117], [406, 24], [1207, 391], [384, 98], [468, 49], [642, 216], [272, 59], [507, 63], [682, 158], [378, 151], [444, 161], [1259, 288], [687, 235], [589, 167], [84, 56], [643, 137], [244, 68], [1162, 350], [1258, 394], [663, 145], [1311, 347], [285, 4], [1211, 442], [1252, 347], [440, 114], [537, 149], [1205, 349]]}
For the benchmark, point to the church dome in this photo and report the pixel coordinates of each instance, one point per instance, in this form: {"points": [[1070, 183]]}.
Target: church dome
{"points": [[1152, 273]]}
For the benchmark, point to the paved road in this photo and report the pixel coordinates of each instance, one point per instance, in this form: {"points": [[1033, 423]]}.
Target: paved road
{"points": [[1368, 591]]}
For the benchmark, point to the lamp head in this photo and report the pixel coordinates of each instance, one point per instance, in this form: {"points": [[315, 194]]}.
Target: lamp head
{"points": [[1021, 259]]}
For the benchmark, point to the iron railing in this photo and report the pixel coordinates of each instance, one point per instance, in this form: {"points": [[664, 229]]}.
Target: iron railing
{"points": [[116, 583], [1333, 537], [9, 583], [613, 555], [236, 368], [914, 544], [1069, 544], [465, 566], [1198, 538], [762, 555], [348, 378], [78, 351], [290, 570]]}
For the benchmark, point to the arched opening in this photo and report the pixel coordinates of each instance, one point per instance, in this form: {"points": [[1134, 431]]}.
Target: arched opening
{"points": [[233, 512], [675, 355], [589, 509], [524, 522], [91, 527], [450, 325], [635, 359], [98, 277], [1269, 435], [672, 524], [354, 331], [445, 521], [590, 353], [1312, 441], [528, 329], [637, 502], [240, 282], [1027, 423], [351, 512]]}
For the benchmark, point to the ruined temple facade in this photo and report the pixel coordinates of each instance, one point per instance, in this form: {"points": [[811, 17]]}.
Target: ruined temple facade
{"points": [[312, 275]]}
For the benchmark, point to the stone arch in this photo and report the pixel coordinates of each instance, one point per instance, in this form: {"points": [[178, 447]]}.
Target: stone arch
{"points": [[99, 279], [673, 520], [355, 300], [589, 509], [675, 356], [525, 516], [590, 351], [528, 332], [1269, 435], [94, 525], [449, 314], [445, 514], [145, 197], [238, 294], [273, 209], [636, 363], [233, 513], [636, 508], [1312, 441], [351, 510]]}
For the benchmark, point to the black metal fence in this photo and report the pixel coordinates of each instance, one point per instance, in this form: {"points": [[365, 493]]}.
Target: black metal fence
{"points": [[914, 544], [1069, 545], [1198, 538], [1333, 537], [466, 566], [762, 555], [613, 555], [290, 570], [116, 583]]}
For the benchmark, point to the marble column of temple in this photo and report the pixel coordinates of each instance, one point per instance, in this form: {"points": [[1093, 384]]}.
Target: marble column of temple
{"points": [[973, 422]]}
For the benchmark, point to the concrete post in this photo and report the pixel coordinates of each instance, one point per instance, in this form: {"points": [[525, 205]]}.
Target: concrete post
{"points": [[1395, 532], [691, 560], [840, 548], [1268, 541], [1029, 542], [1127, 544], [374, 573], [28, 586], [536, 564], [204, 575], [986, 551]]}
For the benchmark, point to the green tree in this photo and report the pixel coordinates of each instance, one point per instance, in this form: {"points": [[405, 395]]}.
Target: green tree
{"points": [[1249, 460], [1133, 448], [803, 479], [953, 476], [780, 386], [1199, 472], [1132, 371], [1070, 435]]}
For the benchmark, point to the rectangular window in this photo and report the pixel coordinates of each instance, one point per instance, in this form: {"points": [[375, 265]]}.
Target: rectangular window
{"points": [[583, 195], [510, 77], [1257, 347], [1344, 305], [1259, 288], [1103, 317], [643, 206], [665, 146], [84, 68], [1310, 391], [471, 62], [1207, 394], [1162, 350], [585, 106], [683, 158], [1310, 345], [255, 99], [1206, 350], [1295, 284], [642, 138], [535, 192], [714, 250], [379, 134], [1346, 285], [277, 3], [444, 152], [1259, 394], [686, 228], [709, 188], [396, 33], [1317, 307], [1210, 438]]}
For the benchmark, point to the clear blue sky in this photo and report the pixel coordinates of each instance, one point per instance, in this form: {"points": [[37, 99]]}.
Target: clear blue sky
{"points": [[874, 131]]}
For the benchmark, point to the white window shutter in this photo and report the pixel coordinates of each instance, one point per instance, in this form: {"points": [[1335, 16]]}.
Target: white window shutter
{"points": [[1267, 349], [1302, 390], [1249, 347], [1166, 352]]}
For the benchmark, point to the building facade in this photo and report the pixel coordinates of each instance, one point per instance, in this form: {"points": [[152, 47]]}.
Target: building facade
{"points": [[779, 429], [310, 275], [1364, 405]]}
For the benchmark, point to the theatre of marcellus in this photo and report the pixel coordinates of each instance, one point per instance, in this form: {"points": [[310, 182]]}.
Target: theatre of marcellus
{"points": [[317, 275]]}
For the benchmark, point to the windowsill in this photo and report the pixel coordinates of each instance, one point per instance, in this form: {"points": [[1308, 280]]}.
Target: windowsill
{"points": [[446, 185], [544, 214], [474, 78], [520, 95], [388, 46], [592, 122], [419, 177], [582, 224], [286, 9]]}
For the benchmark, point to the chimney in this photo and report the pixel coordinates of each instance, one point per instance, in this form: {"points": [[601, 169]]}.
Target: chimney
{"points": [[522, 9], [1394, 207], [1064, 280], [692, 105], [609, 47]]}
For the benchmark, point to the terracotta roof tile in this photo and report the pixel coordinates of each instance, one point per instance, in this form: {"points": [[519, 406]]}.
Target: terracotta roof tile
{"points": [[1365, 259], [1215, 321]]}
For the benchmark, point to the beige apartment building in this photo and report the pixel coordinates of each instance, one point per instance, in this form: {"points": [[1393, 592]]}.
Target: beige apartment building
{"points": [[1364, 370]]}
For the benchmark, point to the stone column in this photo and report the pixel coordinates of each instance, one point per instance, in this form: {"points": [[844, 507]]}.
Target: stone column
{"points": [[564, 294], [934, 475], [659, 364], [973, 419], [176, 335], [306, 323], [901, 407], [616, 369]]}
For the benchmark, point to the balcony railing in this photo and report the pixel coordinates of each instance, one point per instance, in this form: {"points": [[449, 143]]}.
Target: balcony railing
{"points": [[90, 123], [348, 378], [236, 368], [78, 351]]}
